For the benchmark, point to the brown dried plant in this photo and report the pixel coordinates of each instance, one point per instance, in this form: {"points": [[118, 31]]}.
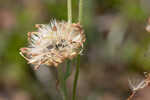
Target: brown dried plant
{"points": [[53, 43], [135, 87]]}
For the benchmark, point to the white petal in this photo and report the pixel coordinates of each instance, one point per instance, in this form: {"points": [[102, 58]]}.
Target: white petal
{"points": [[77, 38]]}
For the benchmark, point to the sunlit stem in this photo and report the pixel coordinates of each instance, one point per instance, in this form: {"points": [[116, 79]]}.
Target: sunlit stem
{"points": [[80, 11], [69, 6]]}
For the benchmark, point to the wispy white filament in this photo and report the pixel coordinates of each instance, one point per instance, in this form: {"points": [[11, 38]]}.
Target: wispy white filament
{"points": [[53, 43]]}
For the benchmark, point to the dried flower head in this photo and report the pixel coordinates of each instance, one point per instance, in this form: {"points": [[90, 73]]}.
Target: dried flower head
{"points": [[53, 43], [136, 85]]}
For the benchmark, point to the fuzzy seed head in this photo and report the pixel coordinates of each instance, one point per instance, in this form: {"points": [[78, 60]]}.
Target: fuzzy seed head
{"points": [[53, 43], [137, 85]]}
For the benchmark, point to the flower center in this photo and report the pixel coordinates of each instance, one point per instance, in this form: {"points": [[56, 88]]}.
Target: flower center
{"points": [[57, 45]]}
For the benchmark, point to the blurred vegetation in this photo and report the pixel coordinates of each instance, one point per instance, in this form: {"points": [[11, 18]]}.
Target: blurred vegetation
{"points": [[117, 45]]}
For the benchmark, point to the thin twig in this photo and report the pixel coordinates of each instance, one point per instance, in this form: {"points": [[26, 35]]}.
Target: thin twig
{"points": [[131, 96]]}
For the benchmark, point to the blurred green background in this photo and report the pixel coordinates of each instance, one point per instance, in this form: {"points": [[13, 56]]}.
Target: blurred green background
{"points": [[117, 48]]}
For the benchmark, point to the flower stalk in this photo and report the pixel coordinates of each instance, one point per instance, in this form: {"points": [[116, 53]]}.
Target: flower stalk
{"points": [[76, 78], [80, 11], [63, 78], [69, 6], [78, 57], [67, 72]]}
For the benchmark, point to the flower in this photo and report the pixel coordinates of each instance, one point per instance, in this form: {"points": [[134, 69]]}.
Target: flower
{"points": [[53, 43], [136, 85]]}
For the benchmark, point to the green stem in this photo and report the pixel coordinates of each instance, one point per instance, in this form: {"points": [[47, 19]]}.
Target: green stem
{"points": [[80, 10], [76, 78], [62, 83], [78, 57], [68, 67], [69, 3], [65, 90], [66, 75]]}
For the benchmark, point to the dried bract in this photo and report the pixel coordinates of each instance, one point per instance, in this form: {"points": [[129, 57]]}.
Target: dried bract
{"points": [[53, 43]]}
